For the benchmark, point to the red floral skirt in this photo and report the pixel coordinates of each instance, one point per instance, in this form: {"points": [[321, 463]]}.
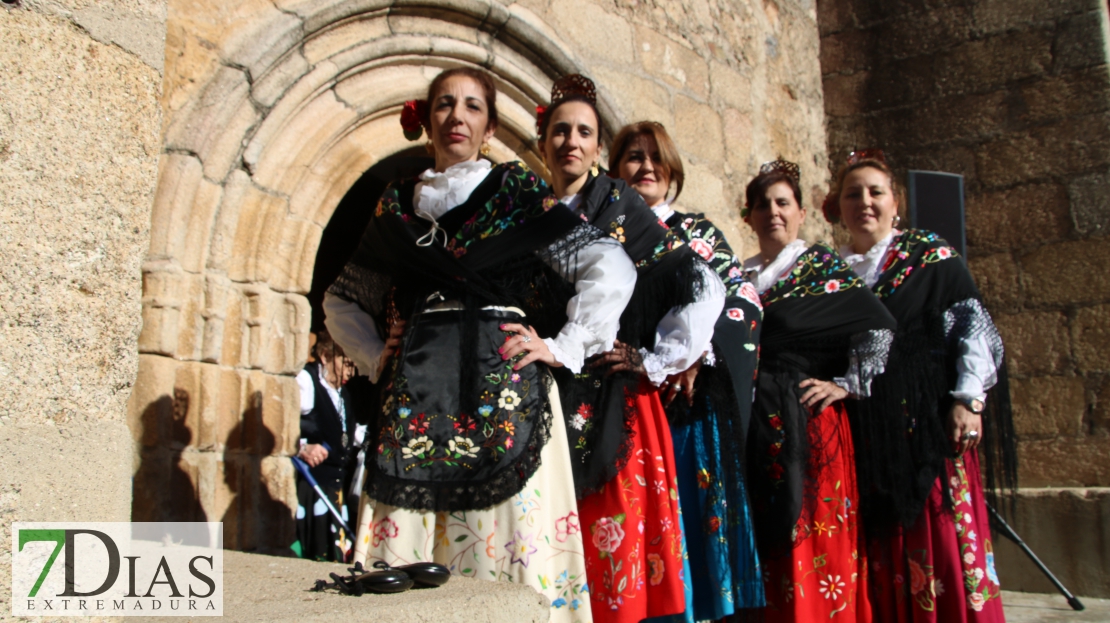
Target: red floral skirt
{"points": [[633, 544], [942, 569], [824, 578]]}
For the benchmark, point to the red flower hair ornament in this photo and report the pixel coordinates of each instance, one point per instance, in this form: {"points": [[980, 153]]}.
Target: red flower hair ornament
{"points": [[540, 111], [831, 208], [414, 119]]}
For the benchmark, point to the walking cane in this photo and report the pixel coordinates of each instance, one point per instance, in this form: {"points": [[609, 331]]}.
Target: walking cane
{"points": [[1008, 532], [302, 467]]}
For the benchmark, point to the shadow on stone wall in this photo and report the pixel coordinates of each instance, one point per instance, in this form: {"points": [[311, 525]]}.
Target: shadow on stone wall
{"points": [[162, 490], [170, 481], [254, 520]]}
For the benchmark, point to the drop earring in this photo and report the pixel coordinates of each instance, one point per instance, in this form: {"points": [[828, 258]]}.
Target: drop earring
{"points": [[897, 220], [594, 170], [484, 149]]}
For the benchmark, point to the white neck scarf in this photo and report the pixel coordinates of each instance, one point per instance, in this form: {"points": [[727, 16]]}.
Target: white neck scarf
{"points": [[869, 265], [663, 210], [437, 193], [763, 277]]}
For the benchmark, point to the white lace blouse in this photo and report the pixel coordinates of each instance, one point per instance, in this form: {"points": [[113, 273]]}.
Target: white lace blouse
{"points": [[604, 282], [975, 369], [684, 333]]}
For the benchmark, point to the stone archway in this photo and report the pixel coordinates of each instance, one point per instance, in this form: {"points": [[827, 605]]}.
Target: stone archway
{"points": [[253, 168]]}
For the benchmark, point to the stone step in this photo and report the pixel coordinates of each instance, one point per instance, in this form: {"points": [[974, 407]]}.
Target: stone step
{"points": [[1050, 608], [269, 589]]}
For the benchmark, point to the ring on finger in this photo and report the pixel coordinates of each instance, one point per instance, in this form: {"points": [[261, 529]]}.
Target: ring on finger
{"points": [[526, 339], [971, 435]]}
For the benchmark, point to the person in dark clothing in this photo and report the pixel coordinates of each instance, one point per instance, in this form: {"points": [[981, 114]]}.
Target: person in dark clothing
{"points": [[328, 431]]}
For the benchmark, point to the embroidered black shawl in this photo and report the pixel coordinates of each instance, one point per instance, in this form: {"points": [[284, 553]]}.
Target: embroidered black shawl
{"points": [[818, 321], [935, 301], [667, 277], [483, 440]]}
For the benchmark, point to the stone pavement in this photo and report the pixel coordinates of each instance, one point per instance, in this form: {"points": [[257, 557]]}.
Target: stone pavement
{"points": [[268, 589], [1042, 608]]}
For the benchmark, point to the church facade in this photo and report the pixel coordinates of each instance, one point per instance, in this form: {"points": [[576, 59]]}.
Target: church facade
{"points": [[170, 167]]}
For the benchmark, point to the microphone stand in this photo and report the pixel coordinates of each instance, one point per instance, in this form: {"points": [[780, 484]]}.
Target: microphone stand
{"points": [[1004, 528]]}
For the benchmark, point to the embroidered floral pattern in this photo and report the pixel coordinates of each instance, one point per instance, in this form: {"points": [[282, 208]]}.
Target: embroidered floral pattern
{"points": [[608, 534], [774, 467], [977, 553], [566, 527], [831, 559], [818, 271], [581, 420], [522, 197], [476, 546], [474, 438], [708, 242], [656, 569], [669, 243], [905, 245], [623, 569]]}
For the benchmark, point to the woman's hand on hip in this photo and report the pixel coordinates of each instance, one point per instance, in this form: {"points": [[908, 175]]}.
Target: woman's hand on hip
{"points": [[623, 358], [821, 394], [681, 383], [526, 341]]}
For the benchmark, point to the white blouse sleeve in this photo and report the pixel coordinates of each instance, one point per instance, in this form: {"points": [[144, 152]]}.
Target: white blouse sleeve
{"points": [[354, 330], [308, 392], [975, 369], [603, 282], [978, 347], [685, 332]]}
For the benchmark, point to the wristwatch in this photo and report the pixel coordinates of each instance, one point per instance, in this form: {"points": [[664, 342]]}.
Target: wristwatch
{"points": [[975, 405]]}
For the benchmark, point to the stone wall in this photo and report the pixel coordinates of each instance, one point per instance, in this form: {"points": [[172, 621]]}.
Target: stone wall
{"points": [[80, 135], [273, 109], [1014, 95]]}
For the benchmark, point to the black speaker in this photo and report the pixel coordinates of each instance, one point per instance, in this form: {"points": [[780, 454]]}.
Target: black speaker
{"points": [[937, 204]]}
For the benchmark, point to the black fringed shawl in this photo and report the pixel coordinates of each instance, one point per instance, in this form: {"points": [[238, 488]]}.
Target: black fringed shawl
{"points": [[935, 301], [667, 277], [819, 321], [458, 429]]}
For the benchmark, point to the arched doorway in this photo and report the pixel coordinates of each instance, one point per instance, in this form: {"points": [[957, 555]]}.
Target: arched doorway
{"points": [[255, 167], [341, 236]]}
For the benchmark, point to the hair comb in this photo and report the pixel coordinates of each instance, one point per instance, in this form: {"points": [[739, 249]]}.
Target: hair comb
{"points": [[785, 167], [867, 154]]}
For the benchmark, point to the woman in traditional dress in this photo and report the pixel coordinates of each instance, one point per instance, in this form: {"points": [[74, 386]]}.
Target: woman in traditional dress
{"points": [[624, 458], [469, 285], [708, 429], [824, 337], [945, 383]]}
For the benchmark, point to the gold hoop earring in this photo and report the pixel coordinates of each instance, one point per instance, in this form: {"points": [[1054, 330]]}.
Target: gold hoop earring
{"points": [[594, 170], [484, 149]]}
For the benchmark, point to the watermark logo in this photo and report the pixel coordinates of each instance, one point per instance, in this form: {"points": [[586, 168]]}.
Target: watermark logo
{"points": [[117, 569]]}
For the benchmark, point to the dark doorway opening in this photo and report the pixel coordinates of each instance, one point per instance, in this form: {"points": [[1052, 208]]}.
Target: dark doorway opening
{"points": [[341, 236]]}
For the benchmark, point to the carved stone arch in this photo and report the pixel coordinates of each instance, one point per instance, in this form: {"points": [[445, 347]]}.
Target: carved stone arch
{"points": [[306, 99]]}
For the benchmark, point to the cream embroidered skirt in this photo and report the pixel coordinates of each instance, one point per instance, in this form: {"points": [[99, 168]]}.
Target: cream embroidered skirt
{"points": [[533, 538]]}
